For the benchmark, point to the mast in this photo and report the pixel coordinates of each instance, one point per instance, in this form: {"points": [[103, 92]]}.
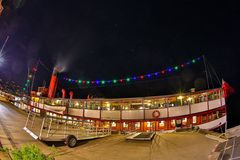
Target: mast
{"points": [[205, 66], [34, 70]]}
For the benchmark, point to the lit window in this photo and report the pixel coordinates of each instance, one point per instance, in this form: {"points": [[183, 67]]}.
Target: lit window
{"points": [[194, 119], [114, 124], [161, 124], [76, 104], [125, 125], [148, 124], [173, 123], [184, 121], [137, 125]]}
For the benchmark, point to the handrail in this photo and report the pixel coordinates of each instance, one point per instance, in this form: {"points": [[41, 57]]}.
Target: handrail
{"points": [[100, 114]]}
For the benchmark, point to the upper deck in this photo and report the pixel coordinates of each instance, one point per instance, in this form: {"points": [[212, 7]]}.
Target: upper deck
{"points": [[140, 108]]}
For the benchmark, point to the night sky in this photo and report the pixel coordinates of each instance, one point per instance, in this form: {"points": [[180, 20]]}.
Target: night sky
{"points": [[114, 39]]}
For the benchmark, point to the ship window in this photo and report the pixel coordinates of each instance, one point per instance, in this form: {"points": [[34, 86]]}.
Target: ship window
{"points": [[125, 125], [137, 125], [194, 119], [210, 117], [173, 123], [161, 124], [148, 124], [204, 118], [114, 124], [184, 121]]}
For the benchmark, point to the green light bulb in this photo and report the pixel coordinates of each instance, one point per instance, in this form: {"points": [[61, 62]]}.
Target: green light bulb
{"points": [[193, 61], [176, 67], [79, 81], [114, 81], [128, 79], [103, 82]]}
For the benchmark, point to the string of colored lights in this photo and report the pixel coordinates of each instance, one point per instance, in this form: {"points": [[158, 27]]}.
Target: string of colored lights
{"points": [[134, 78]]}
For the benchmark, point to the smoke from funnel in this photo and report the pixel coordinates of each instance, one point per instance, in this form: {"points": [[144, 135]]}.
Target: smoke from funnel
{"points": [[63, 62]]}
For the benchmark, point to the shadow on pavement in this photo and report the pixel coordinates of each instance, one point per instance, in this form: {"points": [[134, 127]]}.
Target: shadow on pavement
{"points": [[62, 143]]}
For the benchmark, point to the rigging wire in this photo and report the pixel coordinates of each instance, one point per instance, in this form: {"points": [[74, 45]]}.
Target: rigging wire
{"points": [[215, 73]]}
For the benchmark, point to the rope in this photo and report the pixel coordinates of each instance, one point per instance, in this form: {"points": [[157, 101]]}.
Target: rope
{"points": [[215, 73]]}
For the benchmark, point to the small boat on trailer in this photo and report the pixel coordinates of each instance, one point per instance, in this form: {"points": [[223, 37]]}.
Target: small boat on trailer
{"points": [[62, 128]]}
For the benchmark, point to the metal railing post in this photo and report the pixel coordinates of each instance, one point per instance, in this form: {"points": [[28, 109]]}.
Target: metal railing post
{"points": [[49, 127], [40, 134], [28, 119]]}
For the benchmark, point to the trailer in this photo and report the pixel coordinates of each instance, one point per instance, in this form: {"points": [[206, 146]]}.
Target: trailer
{"points": [[57, 127]]}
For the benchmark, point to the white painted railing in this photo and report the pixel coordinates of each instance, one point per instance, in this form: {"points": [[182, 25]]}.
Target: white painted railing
{"points": [[133, 114], [75, 112], [179, 111], [223, 101], [110, 115], [199, 107], [136, 114], [214, 104], [92, 113]]}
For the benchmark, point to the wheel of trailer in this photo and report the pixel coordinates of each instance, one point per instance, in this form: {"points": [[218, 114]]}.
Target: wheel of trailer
{"points": [[71, 141]]}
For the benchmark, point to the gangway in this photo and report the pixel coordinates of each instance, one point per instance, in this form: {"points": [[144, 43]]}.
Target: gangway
{"points": [[63, 128]]}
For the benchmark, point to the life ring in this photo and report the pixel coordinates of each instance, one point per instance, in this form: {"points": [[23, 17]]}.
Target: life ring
{"points": [[156, 114]]}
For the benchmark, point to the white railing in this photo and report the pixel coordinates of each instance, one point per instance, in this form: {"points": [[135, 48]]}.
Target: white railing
{"points": [[110, 115], [136, 114], [75, 112], [214, 104], [199, 107], [92, 113], [178, 111], [133, 114]]}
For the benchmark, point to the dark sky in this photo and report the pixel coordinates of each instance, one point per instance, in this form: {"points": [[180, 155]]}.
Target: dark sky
{"points": [[114, 39], [110, 39]]}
